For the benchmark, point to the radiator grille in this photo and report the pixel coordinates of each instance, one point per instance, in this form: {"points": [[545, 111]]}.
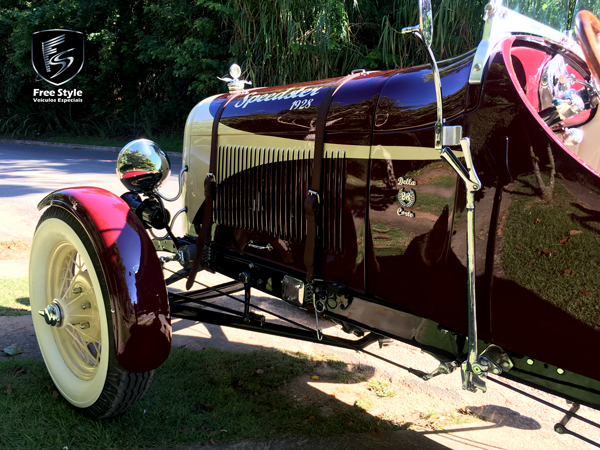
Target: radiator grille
{"points": [[263, 190]]}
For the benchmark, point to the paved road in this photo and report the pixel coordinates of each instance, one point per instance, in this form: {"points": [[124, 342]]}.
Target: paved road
{"points": [[29, 172]]}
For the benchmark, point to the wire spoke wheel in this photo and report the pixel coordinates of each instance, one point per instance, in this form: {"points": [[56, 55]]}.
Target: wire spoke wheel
{"points": [[73, 320], [79, 338]]}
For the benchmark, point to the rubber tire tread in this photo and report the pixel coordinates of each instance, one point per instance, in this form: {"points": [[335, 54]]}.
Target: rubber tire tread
{"points": [[122, 389]]}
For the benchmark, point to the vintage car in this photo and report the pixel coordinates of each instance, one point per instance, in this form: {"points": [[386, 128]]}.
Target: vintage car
{"points": [[453, 206]]}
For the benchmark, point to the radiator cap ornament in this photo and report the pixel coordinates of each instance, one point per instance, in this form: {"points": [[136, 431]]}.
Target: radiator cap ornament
{"points": [[234, 83], [142, 166]]}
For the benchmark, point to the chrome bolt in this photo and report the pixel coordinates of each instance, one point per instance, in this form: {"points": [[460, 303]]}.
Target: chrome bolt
{"points": [[496, 371], [77, 290], [477, 67], [84, 325], [52, 314], [530, 362], [251, 266], [86, 305], [505, 364], [112, 311], [560, 371]]}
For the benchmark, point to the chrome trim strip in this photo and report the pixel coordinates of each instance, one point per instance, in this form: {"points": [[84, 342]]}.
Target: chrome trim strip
{"points": [[501, 22]]}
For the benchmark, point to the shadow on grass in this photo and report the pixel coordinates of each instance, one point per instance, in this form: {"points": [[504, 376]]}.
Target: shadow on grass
{"points": [[14, 293], [522, 189], [11, 311], [23, 301], [195, 397], [589, 221]]}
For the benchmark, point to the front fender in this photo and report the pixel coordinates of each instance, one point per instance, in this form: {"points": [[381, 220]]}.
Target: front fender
{"points": [[137, 292]]}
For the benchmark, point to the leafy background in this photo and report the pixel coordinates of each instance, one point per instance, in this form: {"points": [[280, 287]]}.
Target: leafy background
{"points": [[148, 62]]}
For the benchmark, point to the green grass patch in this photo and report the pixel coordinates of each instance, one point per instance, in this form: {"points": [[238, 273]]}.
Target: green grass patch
{"points": [[440, 420], [14, 297], [389, 241], [364, 403], [445, 181], [552, 250], [194, 397], [431, 203], [382, 388], [87, 140]]}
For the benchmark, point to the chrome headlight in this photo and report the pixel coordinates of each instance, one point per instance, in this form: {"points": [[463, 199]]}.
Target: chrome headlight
{"points": [[142, 166]]}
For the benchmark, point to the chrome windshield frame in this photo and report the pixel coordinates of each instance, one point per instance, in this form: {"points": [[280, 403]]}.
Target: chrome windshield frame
{"points": [[501, 22]]}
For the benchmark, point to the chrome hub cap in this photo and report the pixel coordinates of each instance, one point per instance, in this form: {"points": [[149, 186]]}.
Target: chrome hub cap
{"points": [[52, 314]]}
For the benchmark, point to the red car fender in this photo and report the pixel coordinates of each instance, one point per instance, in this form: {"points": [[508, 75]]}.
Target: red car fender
{"points": [[137, 292]]}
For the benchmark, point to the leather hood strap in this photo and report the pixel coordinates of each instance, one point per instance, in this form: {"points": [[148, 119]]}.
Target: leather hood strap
{"points": [[312, 202], [204, 236]]}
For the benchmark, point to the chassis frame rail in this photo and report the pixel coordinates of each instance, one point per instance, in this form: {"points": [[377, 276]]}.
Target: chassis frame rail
{"points": [[192, 306]]}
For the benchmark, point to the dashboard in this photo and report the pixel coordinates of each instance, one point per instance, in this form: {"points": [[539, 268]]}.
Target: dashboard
{"points": [[552, 83]]}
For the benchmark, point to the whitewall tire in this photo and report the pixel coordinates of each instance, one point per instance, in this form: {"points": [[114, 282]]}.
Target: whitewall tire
{"points": [[73, 321]]}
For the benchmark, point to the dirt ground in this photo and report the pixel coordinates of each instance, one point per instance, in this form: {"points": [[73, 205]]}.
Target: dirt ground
{"points": [[14, 250], [438, 411]]}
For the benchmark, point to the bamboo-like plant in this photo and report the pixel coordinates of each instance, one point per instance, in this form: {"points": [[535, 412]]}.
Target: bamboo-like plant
{"points": [[285, 41]]}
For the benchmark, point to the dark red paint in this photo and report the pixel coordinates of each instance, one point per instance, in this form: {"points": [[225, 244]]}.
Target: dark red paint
{"points": [[519, 319], [137, 292], [417, 264]]}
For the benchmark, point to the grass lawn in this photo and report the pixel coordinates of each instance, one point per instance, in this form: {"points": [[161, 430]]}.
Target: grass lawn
{"points": [[14, 297], [552, 247], [444, 181], [195, 397], [389, 241]]}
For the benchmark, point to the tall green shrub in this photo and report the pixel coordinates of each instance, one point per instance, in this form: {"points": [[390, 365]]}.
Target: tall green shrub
{"points": [[149, 61]]}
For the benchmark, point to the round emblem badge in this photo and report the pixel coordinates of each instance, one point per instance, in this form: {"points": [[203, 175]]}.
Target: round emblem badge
{"points": [[407, 199]]}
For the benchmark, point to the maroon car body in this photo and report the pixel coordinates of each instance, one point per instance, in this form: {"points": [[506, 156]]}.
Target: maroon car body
{"points": [[379, 144], [137, 294], [408, 239]]}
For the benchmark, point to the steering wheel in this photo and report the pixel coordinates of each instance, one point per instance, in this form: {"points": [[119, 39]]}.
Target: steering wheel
{"points": [[587, 27]]}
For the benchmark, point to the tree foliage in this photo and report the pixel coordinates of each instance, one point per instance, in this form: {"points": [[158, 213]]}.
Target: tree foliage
{"points": [[149, 61]]}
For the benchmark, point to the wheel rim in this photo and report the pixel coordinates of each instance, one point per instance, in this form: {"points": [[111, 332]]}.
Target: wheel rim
{"points": [[60, 263], [76, 329]]}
